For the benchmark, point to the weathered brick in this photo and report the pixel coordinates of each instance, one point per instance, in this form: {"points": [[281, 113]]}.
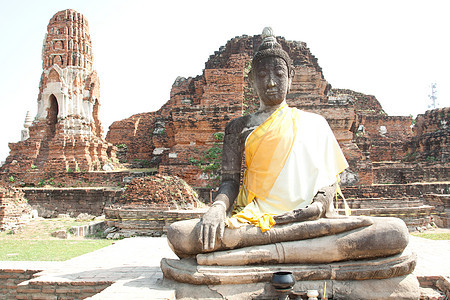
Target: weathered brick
{"points": [[48, 290], [43, 297], [62, 290], [26, 290]]}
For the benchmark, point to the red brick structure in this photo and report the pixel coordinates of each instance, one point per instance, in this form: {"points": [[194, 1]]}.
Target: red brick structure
{"points": [[168, 192], [431, 142], [66, 133], [150, 204], [184, 129], [50, 202], [13, 207], [387, 157], [378, 147]]}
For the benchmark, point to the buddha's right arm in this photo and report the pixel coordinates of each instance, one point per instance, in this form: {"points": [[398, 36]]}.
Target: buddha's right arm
{"points": [[213, 221], [233, 148], [228, 190]]}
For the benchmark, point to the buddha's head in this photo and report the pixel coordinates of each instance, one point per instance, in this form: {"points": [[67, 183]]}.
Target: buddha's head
{"points": [[272, 71]]}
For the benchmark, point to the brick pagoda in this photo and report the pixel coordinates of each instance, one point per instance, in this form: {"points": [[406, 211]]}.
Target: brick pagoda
{"points": [[66, 133]]}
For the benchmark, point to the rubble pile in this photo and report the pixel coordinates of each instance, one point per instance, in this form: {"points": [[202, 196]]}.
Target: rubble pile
{"points": [[158, 190]]}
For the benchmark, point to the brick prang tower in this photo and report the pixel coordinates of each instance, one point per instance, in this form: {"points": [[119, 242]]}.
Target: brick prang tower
{"points": [[66, 133]]}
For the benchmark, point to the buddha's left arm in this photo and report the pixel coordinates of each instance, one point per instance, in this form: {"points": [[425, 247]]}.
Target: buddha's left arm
{"points": [[321, 204]]}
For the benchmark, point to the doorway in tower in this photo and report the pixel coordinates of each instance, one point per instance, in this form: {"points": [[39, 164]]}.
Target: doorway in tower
{"points": [[52, 115]]}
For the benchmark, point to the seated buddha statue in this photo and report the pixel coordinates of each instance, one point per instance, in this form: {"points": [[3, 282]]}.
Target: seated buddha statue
{"points": [[283, 212]]}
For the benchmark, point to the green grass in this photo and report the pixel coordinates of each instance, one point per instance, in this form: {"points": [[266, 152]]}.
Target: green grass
{"points": [[33, 241], [433, 236], [48, 250]]}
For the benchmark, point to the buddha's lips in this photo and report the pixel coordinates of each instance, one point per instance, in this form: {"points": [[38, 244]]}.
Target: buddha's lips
{"points": [[272, 92]]}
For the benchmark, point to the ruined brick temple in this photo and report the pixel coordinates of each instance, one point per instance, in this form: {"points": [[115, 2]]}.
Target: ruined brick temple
{"points": [[66, 133], [381, 149], [396, 162]]}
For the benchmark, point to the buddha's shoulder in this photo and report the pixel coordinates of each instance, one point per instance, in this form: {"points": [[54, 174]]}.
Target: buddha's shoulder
{"points": [[237, 125]]}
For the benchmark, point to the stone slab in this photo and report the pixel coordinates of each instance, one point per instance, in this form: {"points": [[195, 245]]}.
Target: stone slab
{"points": [[402, 287], [188, 271]]}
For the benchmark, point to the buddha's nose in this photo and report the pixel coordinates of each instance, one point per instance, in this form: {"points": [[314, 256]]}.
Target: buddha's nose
{"points": [[271, 83]]}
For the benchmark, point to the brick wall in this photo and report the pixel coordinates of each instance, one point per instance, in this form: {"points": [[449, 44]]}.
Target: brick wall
{"points": [[431, 141], [10, 278], [397, 127], [399, 173], [72, 201], [60, 290], [68, 179], [13, 207], [383, 137], [395, 190], [147, 220], [413, 217], [136, 133]]}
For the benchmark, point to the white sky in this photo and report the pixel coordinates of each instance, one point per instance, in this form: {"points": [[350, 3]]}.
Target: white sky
{"points": [[391, 49]]}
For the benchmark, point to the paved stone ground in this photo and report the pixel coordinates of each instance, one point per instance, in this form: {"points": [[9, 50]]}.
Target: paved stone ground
{"points": [[133, 265], [433, 257]]}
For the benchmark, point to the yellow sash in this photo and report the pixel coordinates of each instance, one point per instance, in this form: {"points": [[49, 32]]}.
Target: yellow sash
{"points": [[266, 151], [289, 157]]}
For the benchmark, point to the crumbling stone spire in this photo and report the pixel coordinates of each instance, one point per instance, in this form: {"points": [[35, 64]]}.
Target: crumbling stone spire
{"points": [[67, 42], [66, 133], [69, 89]]}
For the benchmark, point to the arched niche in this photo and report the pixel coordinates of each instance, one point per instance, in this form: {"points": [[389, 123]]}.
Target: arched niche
{"points": [[52, 114], [58, 45], [58, 60], [53, 76]]}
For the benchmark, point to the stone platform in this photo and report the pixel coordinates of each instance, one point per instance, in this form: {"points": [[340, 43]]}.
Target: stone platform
{"points": [[382, 278], [131, 269]]}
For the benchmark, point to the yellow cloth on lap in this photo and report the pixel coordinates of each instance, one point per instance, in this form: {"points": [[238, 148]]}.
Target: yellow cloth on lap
{"points": [[289, 157]]}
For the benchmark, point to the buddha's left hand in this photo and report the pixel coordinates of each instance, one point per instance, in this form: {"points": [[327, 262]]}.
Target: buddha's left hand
{"points": [[308, 213]]}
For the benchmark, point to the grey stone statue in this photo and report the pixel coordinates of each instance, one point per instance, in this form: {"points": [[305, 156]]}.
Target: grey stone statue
{"points": [[283, 212]]}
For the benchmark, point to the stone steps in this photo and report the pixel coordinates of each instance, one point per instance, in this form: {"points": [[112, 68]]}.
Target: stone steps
{"points": [[395, 190], [384, 202], [415, 216], [42, 157], [418, 204]]}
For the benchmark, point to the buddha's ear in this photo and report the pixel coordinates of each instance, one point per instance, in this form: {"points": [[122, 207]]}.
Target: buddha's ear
{"points": [[291, 76], [291, 72]]}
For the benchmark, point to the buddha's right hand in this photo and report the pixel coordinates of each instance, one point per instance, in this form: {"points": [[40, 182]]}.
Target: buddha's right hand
{"points": [[212, 226]]}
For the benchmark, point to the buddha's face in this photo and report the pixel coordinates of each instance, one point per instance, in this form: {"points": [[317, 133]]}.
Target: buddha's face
{"points": [[271, 80]]}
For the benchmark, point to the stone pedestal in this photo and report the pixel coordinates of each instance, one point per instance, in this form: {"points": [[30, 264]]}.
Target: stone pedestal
{"points": [[384, 278]]}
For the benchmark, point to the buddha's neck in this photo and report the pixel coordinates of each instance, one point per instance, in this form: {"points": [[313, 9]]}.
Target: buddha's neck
{"points": [[269, 109]]}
